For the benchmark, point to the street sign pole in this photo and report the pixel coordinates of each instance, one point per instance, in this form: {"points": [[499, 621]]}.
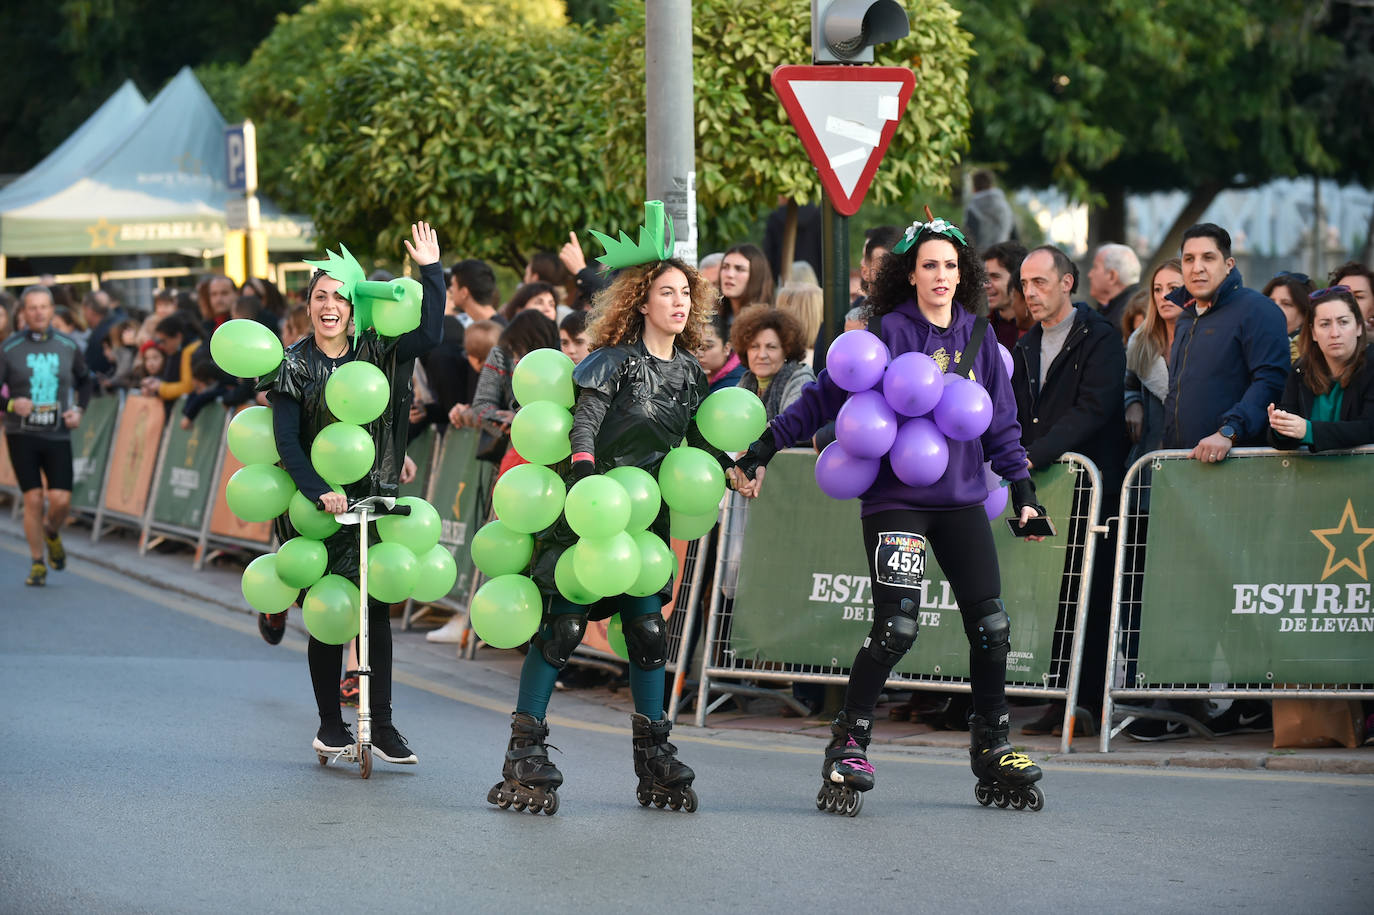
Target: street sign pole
{"points": [[835, 265]]}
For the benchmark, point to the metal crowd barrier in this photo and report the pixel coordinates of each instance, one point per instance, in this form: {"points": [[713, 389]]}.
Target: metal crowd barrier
{"points": [[1280, 514], [1054, 620]]}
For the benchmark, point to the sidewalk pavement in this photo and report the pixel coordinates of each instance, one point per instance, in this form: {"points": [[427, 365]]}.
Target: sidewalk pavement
{"points": [[491, 680]]}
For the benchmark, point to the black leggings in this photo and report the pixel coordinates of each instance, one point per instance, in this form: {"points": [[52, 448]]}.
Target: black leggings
{"points": [[963, 545], [326, 667]]}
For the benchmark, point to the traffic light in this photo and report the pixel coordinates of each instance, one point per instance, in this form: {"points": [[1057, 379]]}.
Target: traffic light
{"points": [[845, 31]]}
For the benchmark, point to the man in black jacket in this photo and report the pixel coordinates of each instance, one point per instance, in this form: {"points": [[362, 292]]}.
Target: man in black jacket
{"points": [[1069, 381]]}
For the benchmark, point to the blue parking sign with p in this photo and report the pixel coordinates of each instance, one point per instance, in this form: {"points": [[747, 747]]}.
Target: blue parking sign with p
{"points": [[236, 158]]}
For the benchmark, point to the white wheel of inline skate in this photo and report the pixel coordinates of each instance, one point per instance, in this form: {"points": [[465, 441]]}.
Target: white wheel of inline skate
{"points": [[519, 804], [853, 804], [551, 804], [1018, 799], [999, 796], [689, 801], [660, 801], [1036, 798], [643, 797], [821, 796], [982, 793]]}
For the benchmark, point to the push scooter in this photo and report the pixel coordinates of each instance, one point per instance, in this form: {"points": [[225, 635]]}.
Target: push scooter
{"points": [[359, 513]]}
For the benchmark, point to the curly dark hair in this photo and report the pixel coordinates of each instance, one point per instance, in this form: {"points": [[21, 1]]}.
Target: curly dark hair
{"points": [[528, 331], [615, 317], [755, 319], [892, 286]]}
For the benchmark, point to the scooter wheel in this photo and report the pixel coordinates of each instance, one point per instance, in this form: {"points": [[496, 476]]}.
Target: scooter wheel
{"points": [[365, 762], [324, 760]]}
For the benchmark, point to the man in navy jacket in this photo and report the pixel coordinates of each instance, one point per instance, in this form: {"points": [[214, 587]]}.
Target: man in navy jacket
{"points": [[1230, 355]]}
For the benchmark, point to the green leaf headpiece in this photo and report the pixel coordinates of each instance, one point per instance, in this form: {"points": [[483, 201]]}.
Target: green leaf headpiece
{"points": [[934, 227], [346, 269], [656, 240]]}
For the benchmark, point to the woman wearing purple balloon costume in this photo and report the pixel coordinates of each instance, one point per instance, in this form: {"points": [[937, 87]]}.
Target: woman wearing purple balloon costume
{"points": [[924, 484]]}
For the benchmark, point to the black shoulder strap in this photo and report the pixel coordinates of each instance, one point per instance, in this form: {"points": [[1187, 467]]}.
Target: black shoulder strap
{"points": [[970, 353]]}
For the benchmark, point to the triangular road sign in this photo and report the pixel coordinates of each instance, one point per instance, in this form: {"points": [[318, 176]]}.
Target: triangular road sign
{"points": [[845, 117]]}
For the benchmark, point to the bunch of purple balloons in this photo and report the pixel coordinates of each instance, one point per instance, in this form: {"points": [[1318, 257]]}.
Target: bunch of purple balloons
{"points": [[905, 408]]}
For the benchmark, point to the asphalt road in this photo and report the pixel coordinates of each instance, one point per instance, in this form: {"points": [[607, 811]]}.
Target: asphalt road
{"points": [[157, 759]]}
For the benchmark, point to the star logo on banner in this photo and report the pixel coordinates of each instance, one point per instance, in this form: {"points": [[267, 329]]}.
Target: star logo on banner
{"points": [[188, 164], [1349, 532], [103, 233]]}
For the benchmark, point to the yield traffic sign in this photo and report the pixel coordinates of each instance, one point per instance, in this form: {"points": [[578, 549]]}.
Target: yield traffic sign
{"points": [[845, 117]]}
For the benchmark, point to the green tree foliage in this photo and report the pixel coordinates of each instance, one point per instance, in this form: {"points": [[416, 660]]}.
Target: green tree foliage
{"points": [[1105, 96], [63, 59], [494, 148], [304, 49], [748, 153]]}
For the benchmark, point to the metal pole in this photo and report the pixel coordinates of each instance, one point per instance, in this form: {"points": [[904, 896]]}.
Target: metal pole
{"points": [[835, 271], [670, 121]]}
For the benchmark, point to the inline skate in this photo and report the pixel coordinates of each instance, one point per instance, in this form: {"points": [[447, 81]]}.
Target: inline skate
{"points": [[846, 772], [1005, 777], [530, 781], [663, 779]]}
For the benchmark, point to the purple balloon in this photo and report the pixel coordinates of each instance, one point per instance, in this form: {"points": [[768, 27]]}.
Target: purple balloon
{"points": [[990, 478], [856, 360], [1006, 359], [996, 503], [965, 410], [840, 475], [866, 425], [912, 384], [920, 454]]}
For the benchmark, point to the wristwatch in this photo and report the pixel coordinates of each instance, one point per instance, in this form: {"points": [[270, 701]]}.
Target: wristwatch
{"points": [[1229, 431]]}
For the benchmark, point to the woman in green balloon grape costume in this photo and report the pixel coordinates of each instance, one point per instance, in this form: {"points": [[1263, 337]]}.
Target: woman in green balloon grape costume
{"points": [[297, 393], [636, 394]]}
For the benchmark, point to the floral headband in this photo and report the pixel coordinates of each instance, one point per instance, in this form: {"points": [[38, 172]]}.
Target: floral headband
{"points": [[935, 226]]}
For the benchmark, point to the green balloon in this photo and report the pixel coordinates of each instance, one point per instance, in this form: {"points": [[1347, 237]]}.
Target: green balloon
{"points": [[565, 578], [392, 572], [691, 527], [330, 610], [301, 562], [438, 572], [656, 564], [615, 637], [545, 374], [357, 393], [642, 488], [608, 566], [528, 498], [691, 480], [394, 317], [597, 507], [251, 438], [505, 612], [539, 432], [263, 588], [310, 521], [342, 453], [732, 418], [259, 492], [245, 349], [417, 531], [498, 550]]}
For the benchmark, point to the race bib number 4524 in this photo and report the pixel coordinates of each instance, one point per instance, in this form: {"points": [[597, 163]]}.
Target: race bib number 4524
{"points": [[900, 559]]}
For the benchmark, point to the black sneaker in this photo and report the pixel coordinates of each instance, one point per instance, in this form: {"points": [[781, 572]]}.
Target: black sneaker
{"points": [[1150, 729], [1243, 718], [38, 574], [57, 555], [333, 738], [272, 626], [390, 745]]}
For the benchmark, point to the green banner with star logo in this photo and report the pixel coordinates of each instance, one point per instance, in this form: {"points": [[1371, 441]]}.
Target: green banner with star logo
{"points": [[1258, 571]]}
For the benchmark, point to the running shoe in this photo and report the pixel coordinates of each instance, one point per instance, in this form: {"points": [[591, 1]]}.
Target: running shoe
{"points": [[334, 737], [272, 626], [57, 556], [1152, 729], [38, 574], [390, 745]]}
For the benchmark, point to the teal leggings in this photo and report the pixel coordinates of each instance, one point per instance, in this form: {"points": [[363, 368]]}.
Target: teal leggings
{"points": [[537, 676]]}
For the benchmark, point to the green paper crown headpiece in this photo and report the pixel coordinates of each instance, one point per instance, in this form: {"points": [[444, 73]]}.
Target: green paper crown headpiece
{"points": [[656, 240], [346, 269], [935, 226]]}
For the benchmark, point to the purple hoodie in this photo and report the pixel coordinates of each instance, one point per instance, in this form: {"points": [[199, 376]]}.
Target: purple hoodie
{"points": [[905, 330]]}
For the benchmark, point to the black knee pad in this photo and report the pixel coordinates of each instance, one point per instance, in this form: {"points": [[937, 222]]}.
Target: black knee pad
{"points": [[565, 633], [988, 627], [893, 633], [646, 640]]}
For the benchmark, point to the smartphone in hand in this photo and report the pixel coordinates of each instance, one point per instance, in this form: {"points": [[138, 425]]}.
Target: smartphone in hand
{"points": [[1040, 526]]}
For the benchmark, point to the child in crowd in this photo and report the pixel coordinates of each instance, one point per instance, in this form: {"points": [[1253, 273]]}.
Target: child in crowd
{"points": [[150, 363], [121, 349], [572, 334], [721, 363]]}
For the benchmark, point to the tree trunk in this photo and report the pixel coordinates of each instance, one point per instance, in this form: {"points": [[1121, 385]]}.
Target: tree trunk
{"points": [[789, 244], [1107, 223], [1197, 204]]}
